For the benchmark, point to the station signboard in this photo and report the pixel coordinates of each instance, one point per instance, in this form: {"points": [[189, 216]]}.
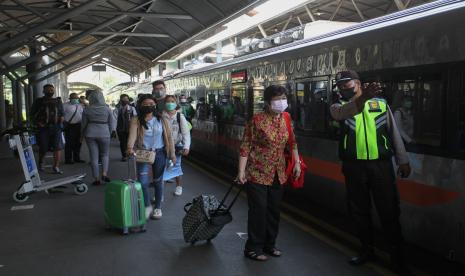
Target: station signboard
{"points": [[239, 76]]}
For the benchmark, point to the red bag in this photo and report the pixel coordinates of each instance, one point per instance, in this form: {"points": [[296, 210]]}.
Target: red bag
{"points": [[299, 182]]}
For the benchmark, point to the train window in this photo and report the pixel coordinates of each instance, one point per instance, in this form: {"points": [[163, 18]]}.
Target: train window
{"points": [[417, 111], [258, 101], [312, 105], [239, 102]]}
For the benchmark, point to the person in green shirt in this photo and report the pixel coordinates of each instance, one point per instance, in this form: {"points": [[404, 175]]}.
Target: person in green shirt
{"points": [[186, 108]]}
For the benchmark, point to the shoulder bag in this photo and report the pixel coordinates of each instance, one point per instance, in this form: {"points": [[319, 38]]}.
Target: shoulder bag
{"points": [[146, 155], [295, 183]]}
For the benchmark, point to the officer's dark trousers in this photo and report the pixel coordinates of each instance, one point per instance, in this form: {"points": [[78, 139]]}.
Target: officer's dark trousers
{"points": [[123, 142], [73, 142], [263, 217], [373, 179]]}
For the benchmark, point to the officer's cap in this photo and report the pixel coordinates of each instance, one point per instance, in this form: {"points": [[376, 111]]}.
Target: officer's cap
{"points": [[344, 76]]}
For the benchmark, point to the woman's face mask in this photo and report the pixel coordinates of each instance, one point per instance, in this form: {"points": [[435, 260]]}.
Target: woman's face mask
{"points": [[183, 100], [278, 106], [170, 106], [146, 109]]}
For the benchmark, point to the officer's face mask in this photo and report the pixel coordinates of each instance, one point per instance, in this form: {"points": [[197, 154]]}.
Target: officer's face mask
{"points": [[225, 101], [347, 93], [278, 106], [183, 101], [75, 101]]}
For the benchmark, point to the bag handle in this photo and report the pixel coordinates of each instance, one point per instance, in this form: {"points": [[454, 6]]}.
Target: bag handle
{"points": [[289, 130], [133, 158], [187, 205], [226, 196]]}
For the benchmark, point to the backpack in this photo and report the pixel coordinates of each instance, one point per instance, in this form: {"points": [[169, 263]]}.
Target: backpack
{"points": [[48, 112]]}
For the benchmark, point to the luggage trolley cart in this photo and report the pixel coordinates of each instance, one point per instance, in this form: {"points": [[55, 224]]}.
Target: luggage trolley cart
{"points": [[22, 142]]}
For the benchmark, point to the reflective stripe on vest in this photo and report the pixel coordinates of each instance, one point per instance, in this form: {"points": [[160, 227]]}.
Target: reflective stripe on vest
{"points": [[364, 137]]}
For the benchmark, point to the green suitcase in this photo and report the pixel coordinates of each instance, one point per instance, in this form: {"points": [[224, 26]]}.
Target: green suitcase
{"points": [[124, 206]]}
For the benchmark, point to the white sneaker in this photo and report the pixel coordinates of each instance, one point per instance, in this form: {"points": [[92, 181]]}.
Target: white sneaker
{"points": [[156, 214], [178, 191], [148, 211]]}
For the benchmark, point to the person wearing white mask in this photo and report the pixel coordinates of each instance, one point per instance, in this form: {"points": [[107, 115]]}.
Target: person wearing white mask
{"points": [[262, 167]]}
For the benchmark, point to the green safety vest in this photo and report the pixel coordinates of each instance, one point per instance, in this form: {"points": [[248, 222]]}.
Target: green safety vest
{"points": [[365, 136]]}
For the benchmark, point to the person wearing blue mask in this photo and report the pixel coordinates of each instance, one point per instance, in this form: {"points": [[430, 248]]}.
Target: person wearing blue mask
{"points": [[72, 127], [180, 133]]}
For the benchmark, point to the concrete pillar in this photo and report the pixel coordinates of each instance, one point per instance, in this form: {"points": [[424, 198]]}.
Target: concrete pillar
{"points": [[2, 106], [219, 52]]}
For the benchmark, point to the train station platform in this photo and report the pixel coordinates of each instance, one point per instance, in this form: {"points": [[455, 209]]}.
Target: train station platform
{"points": [[64, 234]]}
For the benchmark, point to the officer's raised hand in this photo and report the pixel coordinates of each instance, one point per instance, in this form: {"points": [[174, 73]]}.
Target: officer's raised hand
{"points": [[371, 90], [404, 170]]}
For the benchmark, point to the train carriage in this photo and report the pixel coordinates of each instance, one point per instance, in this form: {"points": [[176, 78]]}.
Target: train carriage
{"points": [[418, 55]]}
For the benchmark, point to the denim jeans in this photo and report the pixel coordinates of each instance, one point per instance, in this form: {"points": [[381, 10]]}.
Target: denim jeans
{"points": [[158, 168]]}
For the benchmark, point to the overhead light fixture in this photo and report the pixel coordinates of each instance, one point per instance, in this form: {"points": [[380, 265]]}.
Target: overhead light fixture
{"points": [[167, 60], [252, 13], [106, 59], [96, 56]]}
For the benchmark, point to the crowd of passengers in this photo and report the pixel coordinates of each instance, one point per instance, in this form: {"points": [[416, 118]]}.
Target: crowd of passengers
{"points": [[161, 123]]}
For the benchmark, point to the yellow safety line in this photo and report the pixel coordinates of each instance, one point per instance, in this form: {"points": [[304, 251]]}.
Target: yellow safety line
{"points": [[312, 231]]}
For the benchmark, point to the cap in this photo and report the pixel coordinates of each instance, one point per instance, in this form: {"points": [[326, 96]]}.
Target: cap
{"points": [[346, 76]]}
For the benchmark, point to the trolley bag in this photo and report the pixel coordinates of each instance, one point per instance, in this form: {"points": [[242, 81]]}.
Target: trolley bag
{"points": [[206, 216], [124, 204]]}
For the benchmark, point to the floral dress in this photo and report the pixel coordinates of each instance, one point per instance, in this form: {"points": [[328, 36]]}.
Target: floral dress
{"points": [[265, 139]]}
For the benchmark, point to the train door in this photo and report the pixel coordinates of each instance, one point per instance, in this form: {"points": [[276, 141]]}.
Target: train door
{"points": [[311, 110]]}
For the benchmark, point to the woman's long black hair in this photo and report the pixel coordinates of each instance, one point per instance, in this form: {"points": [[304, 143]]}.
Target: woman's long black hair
{"points": [[141, 117]]}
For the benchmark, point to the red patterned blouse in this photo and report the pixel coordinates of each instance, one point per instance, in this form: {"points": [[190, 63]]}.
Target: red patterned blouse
{"points": [[265, 138]]}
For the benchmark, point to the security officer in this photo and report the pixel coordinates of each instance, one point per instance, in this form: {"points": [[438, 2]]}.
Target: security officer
{"points": [[369, 140]]}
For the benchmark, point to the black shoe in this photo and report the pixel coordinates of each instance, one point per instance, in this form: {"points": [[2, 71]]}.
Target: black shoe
{"points": [[96, 183], [69, 162], [363, 258], [79, 161], [106, 179], [124, 159]]}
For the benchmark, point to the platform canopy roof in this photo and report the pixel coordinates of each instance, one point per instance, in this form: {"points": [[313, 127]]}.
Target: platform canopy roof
{"points": [[132, 35]]}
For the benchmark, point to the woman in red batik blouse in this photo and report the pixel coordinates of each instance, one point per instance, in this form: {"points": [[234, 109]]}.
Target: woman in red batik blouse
{"points": [[262, 168]]}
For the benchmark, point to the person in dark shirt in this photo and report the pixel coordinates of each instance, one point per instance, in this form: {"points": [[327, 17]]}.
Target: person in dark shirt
{"points": [[48, 116]]}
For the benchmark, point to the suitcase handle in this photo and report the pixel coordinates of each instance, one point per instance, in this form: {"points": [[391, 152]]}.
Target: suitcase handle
{"points": [[226, 196], [133, 158]]}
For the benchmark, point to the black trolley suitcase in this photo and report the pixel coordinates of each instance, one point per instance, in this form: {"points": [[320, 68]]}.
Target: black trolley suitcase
{"points": [[206, 216]]}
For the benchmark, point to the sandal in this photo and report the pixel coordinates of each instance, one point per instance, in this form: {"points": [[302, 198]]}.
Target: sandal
{"points": [[273, 252], [255, 256]]}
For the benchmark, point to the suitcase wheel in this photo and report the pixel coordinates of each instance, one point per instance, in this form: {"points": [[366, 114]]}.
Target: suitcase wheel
{"points": [[209, 240], [193, 242]]}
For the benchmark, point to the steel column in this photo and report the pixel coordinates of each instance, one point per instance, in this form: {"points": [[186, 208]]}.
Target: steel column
{"points": [[2, 106]]}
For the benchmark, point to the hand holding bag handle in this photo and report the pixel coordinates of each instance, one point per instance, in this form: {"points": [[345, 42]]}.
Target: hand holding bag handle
{"points": [[226, 196]]}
